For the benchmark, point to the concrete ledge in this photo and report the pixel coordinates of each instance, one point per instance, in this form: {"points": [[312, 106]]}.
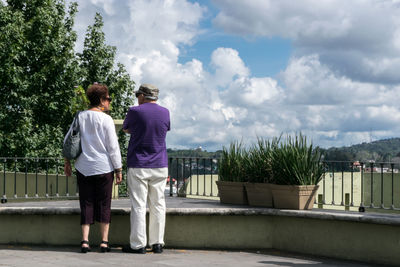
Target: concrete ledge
{"points": [[386, 219], [372, 238]]}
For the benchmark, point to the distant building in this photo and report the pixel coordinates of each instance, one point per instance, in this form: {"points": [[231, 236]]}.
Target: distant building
{"points": [[378, 169], [359, 166]]}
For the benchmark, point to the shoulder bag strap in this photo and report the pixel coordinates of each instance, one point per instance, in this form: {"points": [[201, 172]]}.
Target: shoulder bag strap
{"points": [[75, 124]]}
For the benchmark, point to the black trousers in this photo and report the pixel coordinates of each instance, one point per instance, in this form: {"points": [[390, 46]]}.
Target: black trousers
{"points": [[95, 194]]}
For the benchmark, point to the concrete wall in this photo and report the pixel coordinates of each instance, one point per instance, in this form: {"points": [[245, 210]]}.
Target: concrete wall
{"points": [[231, 231], [363, 237], [339, 239]]}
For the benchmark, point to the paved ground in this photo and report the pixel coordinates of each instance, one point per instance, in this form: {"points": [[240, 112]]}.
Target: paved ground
{"points": [[68, 256]]}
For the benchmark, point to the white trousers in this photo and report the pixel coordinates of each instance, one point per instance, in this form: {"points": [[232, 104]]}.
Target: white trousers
{"points": [[147, 185]]}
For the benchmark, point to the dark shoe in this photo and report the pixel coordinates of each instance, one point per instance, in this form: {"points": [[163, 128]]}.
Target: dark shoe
{"points": [[157, 248], [128, 249], [85, 249], [105, 249]]}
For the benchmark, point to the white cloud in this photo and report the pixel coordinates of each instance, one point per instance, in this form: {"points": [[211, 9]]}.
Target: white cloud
{"points": [[308, 81], [107, 5], [289, 19], [245, 91], [358, 38], [385, 114], [228, 65], [153, 22]]}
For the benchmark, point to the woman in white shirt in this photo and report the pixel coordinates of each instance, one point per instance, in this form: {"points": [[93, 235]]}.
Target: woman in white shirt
{"points": [[96, 166]]}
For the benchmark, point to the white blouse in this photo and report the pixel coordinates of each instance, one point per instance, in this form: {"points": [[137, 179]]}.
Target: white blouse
{"points": [[100, 148]]}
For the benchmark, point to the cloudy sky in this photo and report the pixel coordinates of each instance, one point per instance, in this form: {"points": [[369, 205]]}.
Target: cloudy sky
{"points": [[232, 69]]}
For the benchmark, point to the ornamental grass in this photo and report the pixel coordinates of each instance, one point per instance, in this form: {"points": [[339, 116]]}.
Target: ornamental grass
{"points": [[296, 162], [231, 166]]}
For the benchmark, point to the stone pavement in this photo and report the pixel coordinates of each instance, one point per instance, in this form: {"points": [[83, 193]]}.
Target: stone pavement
{"points": [[69, 256]]}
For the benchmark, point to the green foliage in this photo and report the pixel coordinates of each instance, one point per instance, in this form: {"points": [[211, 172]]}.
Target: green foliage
{"points": [[295, 162], [259, 161], [79, 101], [123, 145], [97, 65], [121, 90], [292, 162], [232, 163], [194, 153], [38, 70], [97, 58], [379, 151], [42, 80]]}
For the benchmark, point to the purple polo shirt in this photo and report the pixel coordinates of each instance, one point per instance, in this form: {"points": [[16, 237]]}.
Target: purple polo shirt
{"points": [[148, 124]]}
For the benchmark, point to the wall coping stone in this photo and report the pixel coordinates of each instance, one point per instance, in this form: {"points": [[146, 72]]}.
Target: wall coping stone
{"points": [[373, 218]]}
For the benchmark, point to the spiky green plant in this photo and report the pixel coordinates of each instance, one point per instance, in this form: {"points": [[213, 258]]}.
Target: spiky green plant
{"points": [[296, 163], [259, 161], [231, 166]]}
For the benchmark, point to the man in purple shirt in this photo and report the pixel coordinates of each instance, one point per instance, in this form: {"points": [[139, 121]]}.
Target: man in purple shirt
{"points": [[147, 124]]}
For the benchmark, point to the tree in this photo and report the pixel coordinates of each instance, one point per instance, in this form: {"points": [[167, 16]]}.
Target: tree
{"points": [[97, 65], [42, 79], [38, 71]]}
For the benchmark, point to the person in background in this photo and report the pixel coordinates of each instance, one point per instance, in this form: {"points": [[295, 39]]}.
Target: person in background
{"points": [[147, 162], [96, 166]]}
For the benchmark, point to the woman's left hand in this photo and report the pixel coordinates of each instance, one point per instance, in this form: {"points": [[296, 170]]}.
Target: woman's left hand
{"points": [[118, 177]]}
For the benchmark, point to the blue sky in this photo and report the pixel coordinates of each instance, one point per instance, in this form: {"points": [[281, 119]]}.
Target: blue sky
{"points": [[263, 56], [230, 70]]}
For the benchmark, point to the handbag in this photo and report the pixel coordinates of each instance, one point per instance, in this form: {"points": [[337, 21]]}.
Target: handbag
{"points": [[72, 145]]}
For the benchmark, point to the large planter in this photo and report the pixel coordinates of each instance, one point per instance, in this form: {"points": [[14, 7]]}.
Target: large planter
{"points": [[232, 192], [259, 194], [297, 197]]}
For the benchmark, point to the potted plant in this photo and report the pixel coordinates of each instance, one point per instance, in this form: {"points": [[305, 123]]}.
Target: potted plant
{"points": [[232, 175], [297, 169], [259, 172]]}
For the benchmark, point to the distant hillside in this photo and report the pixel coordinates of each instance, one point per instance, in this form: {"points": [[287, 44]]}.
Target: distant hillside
{"points": [[380, 151], [195, 153]]}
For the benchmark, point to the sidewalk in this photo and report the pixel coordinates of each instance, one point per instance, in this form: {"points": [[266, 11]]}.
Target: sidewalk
{"points": [[69, 256]]}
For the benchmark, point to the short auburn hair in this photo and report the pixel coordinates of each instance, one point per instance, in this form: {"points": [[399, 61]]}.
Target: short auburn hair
{"points": [[96, 92]]}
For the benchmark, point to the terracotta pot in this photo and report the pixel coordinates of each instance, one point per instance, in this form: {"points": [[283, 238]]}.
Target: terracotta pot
{"points": [[232, 192], [297, 197], [259, 194]]}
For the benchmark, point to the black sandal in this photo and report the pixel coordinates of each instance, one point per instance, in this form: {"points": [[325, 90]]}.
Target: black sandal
{"points": [[105, 249], [85, 249]]}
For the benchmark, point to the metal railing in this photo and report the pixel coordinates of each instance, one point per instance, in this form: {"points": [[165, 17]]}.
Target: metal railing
{"points": [[193, 176], [360, 185], [43, 178], [345, 184], [35, 178]]}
